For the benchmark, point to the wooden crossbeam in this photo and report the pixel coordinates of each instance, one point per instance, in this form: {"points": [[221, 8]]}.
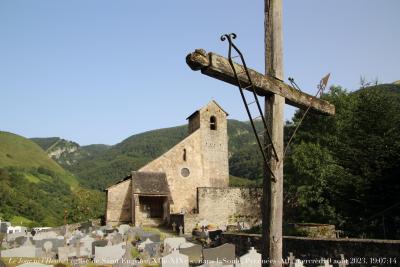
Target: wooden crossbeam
{"points": [[218, 67]]}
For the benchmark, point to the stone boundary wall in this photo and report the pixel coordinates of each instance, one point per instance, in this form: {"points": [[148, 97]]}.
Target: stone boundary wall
{"points": [[225, 206], [229, 205], [363, 252]]}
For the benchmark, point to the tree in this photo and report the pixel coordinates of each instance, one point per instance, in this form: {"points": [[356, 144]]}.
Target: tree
{"points": [[345, 169]]}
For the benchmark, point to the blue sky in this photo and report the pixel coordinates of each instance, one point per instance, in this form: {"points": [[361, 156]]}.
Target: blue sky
{"points": [[98, 71]]}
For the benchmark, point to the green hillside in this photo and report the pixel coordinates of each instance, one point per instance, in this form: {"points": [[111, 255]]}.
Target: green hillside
{"points": [[35, 190], [19, 152]]}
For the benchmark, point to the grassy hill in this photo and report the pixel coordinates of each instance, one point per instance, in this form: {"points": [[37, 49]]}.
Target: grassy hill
{"points": [[36, 190], [19, 152]]}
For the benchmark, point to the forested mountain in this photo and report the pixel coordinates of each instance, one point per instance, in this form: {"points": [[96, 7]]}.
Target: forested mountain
{"points": [[35, 190]]}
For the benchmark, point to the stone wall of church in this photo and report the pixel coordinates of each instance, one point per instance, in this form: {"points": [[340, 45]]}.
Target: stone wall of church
{"points": [[215, 145], [184, 174], [119, 200]]}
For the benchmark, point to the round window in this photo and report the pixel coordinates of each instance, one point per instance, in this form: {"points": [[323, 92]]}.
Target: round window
{"points": [[185, 172]]}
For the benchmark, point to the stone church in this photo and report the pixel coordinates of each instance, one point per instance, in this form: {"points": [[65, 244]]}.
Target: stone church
{"points": [[189, 182]]}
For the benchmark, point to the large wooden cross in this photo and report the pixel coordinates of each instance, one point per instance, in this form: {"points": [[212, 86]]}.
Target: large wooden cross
{"points": [[276, 94]]}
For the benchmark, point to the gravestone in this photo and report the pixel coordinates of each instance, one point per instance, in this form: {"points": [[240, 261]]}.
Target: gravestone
{"points": [[123, 229], [27, 250], [56, 243], [131, 235], [194, 252], [98, 233], [152, 236], [109, 254], [116, 238], [98, 243], [47, 247], [212, 264], [85, 227], [326, 263], [251, 259], [11, 237], [293, 262], [106, 229], [174, 227], [86, 245], [143, 244], [63, 253], [298, 263], [172, 243], [137, 233], [152, 249], [291, 259], [21, 240], [343, 262], [203, 234], [75, 238], [180, 230], [175, 259], [224, 253]]}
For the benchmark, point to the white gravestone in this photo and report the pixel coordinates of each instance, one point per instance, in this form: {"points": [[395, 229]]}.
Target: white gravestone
{"points": [[251, 259], [109, 254], [326, 263], [175, 259], [172, 243], [123, 229]]}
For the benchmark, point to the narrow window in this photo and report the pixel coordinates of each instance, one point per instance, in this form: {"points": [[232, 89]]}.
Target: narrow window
{"points": [[213, 123], [184, 154]]}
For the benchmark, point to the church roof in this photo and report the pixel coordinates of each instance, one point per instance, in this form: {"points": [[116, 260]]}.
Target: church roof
{"points": [[212, 101], [120, 181], [151, 183]]}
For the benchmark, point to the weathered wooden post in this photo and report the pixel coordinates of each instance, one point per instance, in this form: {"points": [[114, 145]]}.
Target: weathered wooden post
{"points": [[272, 204]]}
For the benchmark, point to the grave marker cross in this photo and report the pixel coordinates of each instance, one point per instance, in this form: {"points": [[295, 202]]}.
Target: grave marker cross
{"points": [[276, 94]]}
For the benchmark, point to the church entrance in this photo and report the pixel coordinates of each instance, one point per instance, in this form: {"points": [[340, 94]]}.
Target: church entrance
{"points": [[152, 206], [154, 210]]}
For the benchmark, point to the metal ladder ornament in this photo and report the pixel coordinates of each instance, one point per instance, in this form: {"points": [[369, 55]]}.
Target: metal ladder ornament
{"points": [[263, 146]]}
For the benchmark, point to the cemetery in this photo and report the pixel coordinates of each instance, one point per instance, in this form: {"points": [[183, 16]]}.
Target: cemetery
{"points": [[128, 245]]}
